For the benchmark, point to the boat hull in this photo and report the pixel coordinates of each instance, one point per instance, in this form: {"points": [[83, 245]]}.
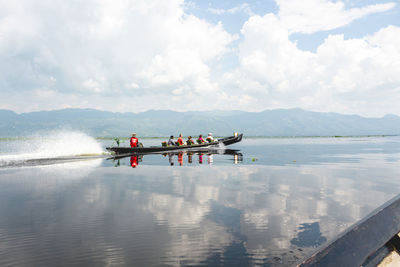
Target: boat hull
{"points": [[366, 243], [146, 150]]}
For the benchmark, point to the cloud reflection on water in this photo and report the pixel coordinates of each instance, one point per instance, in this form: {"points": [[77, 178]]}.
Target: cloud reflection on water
{"points": [[187, 215]]}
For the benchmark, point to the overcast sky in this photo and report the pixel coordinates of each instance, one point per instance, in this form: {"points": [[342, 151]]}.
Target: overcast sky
{"points": [[136, 55]]}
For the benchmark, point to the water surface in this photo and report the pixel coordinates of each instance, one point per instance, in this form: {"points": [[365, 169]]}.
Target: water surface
{"points": [[270, 203]]}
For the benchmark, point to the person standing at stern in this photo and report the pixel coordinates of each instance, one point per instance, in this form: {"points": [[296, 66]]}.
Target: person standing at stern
{"points": [[134, 141]]}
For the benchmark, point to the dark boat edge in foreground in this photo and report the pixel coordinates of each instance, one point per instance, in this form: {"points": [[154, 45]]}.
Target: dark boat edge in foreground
{"points": [[366, 243], [144, 150]]}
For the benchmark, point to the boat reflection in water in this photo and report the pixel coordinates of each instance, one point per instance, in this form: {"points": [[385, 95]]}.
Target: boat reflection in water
{"points": [[203, 156], [179, 158], [135, 160], [189, 156]]}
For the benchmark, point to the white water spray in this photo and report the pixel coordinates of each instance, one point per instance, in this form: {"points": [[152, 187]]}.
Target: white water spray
{"points": [[53, 145], [68, 144], [221, 146]]}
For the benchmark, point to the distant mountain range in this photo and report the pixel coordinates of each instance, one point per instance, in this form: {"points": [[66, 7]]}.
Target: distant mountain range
{"points": [[279, 122]]}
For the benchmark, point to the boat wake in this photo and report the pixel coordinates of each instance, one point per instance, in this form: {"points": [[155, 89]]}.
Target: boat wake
{"points": [[53, 148]]}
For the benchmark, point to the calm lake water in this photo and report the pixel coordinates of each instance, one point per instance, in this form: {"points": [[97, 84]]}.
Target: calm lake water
{"points": [[268, 202]]}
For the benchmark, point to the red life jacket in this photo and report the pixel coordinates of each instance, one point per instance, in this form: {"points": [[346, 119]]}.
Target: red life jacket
{"points": [[134, 161], [134, 142]]}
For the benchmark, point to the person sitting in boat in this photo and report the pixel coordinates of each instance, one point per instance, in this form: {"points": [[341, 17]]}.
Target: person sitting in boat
{"points": [[200, 140], [179, 142], [134, 141], [171, 141], [190, 141], [210, 138]]}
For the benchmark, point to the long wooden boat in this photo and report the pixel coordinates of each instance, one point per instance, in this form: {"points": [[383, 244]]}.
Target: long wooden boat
{"points": [[373, 241], [157, 149]]}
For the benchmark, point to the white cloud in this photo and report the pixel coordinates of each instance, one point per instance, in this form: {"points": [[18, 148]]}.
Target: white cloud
{"points": [[152, 55], [106, 47], [343, 75], [244, 7], [92, 85], [184, 60], [310, 16]]}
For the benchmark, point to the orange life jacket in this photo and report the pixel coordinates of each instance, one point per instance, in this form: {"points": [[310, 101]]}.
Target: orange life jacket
{"points": [[180, 158], [180, 141]]}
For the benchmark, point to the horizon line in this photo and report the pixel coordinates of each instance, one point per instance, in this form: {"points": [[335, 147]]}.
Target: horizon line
{"points": [[211, 110]]}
